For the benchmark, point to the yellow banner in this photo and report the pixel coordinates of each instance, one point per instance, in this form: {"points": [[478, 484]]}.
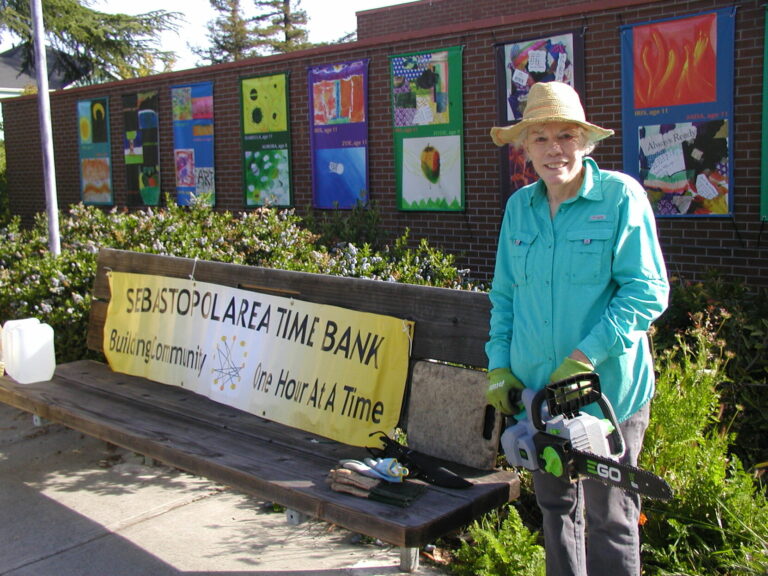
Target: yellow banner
{"points": [[324, 369]]}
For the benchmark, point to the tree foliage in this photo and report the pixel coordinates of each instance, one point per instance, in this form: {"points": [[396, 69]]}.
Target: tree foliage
{"points": [[270, 27], [103, 46], [229, 34], [281, 26]]}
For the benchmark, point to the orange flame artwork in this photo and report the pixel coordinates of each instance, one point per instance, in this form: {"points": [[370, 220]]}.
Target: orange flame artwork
{"points": [[675, 62]]}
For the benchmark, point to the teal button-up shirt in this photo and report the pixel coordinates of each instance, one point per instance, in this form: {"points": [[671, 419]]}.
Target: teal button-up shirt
{"points": [[591, 278]]}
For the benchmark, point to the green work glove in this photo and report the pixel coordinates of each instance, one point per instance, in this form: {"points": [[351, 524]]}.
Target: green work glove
{"points": [[577, 391], [570, 367], [504, 391]]}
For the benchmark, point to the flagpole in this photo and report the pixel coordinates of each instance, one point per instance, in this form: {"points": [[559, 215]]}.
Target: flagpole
{"points": [[44, 112]]}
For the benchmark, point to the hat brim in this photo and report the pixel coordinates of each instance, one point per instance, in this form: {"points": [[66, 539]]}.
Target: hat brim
{"points": [[512, 134]]}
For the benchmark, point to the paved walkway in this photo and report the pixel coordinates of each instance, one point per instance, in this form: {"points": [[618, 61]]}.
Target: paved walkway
{"points": [[71, 507]]}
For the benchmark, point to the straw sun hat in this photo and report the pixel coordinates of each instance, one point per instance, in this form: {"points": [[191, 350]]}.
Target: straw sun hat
{"points": [[549, 102]]}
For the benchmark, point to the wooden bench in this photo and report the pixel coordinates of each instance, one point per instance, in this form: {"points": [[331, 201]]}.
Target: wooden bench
{"points": [[444, 413]]}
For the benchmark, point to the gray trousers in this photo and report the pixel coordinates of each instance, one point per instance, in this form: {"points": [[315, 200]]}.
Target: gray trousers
{"points": [[590, 528]]}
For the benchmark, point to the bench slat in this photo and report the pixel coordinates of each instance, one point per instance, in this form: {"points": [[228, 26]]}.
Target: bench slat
{"points": [[224, 444], [451, 325]]}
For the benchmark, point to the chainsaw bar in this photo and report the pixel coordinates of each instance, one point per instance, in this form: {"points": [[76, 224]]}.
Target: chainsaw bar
{"points": [[623, 476]]}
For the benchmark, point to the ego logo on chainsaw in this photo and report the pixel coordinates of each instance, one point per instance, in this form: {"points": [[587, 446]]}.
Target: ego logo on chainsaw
{"points": [[604, 471]]}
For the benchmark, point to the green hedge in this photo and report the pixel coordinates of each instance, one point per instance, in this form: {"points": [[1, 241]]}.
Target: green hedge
{"points": [[57, 289]]}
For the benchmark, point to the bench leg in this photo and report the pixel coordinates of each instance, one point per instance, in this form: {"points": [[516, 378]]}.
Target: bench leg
{"points": [[409, 559], [294, 517]]}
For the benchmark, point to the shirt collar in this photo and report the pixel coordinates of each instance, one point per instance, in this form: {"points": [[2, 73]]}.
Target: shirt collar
{"points": [[591, 188]]}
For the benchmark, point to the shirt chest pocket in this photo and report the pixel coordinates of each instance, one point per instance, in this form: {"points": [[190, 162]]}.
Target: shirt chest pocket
{"points": [[521, 260], [589, 253]]}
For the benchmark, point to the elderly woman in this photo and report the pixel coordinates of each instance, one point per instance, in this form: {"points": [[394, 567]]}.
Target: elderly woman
{"points": [[579, 279]]}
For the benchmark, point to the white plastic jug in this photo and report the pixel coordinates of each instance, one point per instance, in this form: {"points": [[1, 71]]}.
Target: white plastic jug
{"points": [[8, 327], [28, 350]]}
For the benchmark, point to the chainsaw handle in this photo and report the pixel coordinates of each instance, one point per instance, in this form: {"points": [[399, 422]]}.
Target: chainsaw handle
{"points": [[533, 403], [618, 437]]}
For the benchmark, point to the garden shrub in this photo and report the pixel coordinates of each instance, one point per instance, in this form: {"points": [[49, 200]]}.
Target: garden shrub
{"points": [[357, 241], [423, 265], [499, 544], [739, 315], [359, 225], [717, 522]]}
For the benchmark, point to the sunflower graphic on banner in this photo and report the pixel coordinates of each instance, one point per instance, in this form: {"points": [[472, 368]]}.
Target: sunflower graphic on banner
{"points": [[328, 370]]}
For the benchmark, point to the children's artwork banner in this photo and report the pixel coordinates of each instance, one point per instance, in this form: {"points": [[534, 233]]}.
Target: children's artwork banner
{"points": [[677, 112], [141, 147], [520, 65], [338, 96], [192, 107], [327, 370], [94, 152], [428, 129], [266, 140]]}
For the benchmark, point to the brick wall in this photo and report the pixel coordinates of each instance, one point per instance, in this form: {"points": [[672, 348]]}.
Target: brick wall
{"points": [[692, 246]]}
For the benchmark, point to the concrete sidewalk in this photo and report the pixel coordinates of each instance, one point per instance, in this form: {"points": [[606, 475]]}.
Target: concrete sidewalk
{"points": [[71, 507]]}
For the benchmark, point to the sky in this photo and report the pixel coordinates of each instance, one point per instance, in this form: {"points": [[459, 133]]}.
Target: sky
{"points": [[328, 20]]}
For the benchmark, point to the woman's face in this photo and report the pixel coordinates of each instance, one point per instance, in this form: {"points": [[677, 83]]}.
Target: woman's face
{"points": [[556, 150]]}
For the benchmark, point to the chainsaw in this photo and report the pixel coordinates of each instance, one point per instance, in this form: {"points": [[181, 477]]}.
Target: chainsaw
{"points": [[569, 444]]}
